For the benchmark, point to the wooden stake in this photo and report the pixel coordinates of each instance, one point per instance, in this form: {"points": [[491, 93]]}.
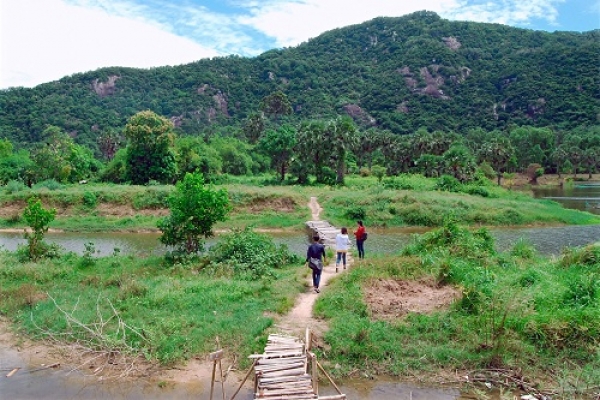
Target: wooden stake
{"points": [[328, 377], [244, 380]]}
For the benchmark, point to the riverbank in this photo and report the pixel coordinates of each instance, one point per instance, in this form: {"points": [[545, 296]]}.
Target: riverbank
{"points": [[405, 201]]}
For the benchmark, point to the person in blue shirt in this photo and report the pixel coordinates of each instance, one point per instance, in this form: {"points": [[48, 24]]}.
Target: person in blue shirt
{"points": [[316, 251]]}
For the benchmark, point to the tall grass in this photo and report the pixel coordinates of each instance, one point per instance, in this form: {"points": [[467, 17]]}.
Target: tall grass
{"points": [[175, 311], [516, 312]]}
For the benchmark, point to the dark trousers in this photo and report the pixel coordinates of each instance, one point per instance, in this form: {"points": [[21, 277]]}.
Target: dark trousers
{"points": [[360, 246], [316, 275]]}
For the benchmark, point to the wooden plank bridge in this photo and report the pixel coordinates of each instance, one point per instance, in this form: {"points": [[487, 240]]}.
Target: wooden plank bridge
{"points": [[288, 370], [325, 230]]}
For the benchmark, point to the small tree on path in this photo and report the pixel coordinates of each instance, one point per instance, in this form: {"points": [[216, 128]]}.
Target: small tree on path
{"points": [[195, 209]]}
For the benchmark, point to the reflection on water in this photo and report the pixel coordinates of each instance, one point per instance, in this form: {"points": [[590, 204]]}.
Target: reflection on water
{"points": [[579, 196], [546, 240], [33, 383]]}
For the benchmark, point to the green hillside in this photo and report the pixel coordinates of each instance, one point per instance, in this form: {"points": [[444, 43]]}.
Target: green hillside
{"points": [[398, 74]]}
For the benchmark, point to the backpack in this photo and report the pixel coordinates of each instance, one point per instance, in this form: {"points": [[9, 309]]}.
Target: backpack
{"points": [[365, 236]]}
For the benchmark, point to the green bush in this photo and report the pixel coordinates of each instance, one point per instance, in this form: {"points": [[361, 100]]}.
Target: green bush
{"points": [[582, 291], [90, 200], [14, 187], [249, 254], [523, 249], [448, 183], [356, 213], [49, 184]]}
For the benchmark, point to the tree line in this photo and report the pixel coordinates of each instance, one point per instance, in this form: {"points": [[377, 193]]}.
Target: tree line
{"points": [[319, 151]]}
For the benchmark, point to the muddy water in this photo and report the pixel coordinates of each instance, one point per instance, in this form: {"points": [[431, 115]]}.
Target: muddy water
{"points": [[31, 382], [548, 240]]}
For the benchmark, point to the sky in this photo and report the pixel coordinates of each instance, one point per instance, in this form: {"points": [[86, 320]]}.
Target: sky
{"points": [[45, 40]]}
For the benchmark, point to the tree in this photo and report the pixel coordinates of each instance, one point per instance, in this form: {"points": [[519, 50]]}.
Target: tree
{"points": [[313, 150], [279, 145], [109, 142], [276, 104], [534, 171], [58, 157], [194, 155], [460, 163], [254, 127], [38, 219], [497, 153], [195, 209], [342, 134], [150, 154]]}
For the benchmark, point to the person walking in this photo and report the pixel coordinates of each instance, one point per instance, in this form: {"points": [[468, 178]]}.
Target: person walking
{"points": [[342, 244], [361, 235], [315, 257]]}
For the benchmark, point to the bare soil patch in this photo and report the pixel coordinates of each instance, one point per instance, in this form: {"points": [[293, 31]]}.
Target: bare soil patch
{"points": [[282, 204], [125, 210], [389, 299]]}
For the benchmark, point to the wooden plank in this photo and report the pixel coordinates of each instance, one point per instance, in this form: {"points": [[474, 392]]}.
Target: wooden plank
{"points": [[217, 355]]}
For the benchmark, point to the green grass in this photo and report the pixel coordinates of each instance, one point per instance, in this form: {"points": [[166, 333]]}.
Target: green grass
{"points": [[519, 313], [407, 200], [178, 311], [422, 205]]}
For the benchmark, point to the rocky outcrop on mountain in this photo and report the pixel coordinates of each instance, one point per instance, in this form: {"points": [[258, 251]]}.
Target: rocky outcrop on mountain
{"points": [[107, 88]]}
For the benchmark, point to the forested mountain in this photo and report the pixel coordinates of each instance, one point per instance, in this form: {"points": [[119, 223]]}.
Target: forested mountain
{"points": [[398, 74]]}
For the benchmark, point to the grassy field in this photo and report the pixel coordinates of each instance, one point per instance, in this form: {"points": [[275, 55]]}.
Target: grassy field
{"points": [[409, 200], [532, 318], [167, 313]]}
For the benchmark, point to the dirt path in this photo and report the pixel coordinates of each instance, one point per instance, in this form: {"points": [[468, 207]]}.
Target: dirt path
{"points": [[300, 317]]}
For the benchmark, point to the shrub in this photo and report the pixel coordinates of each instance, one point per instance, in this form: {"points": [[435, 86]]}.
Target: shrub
{"points": [[398, 183], [38, 219], [356, 213], [14, 187], [90, 200], [249, 254], [582, 291], [364, 172], [476, 190], [49, 184], [523, 249], [448, 183]]}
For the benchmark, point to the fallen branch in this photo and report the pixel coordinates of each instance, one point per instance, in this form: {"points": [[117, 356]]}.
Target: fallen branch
{"points": [[100, 346], [46, 367]]}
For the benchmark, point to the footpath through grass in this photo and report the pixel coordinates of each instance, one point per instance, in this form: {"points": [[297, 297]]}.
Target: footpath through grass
{"points": [[537, 318]]}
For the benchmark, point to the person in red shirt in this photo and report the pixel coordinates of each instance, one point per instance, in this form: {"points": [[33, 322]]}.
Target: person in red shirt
{"points": [[359, 234]]}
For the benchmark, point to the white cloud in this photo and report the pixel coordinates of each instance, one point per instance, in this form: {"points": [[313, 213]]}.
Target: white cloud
{"points": [[44, 40], [508, 12], [292, 22]]}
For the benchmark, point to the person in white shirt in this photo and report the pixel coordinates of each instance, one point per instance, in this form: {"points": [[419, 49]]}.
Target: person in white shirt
{"points": [[342, 244]]}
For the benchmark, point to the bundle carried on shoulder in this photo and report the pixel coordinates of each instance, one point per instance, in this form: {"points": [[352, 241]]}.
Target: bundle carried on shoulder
{"points": [[315, 263]]}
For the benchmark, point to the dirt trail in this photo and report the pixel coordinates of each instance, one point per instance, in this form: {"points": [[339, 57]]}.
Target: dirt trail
{"points": [[300, 317]]}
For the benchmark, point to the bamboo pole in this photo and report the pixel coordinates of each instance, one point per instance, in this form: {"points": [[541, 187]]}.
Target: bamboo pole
{"points": [[212, 381], [244, 380], [315, 372], [222, 380], [328, 377]]}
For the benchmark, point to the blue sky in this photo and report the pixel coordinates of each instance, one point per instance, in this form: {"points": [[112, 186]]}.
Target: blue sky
{"points": [[45, 40]]}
